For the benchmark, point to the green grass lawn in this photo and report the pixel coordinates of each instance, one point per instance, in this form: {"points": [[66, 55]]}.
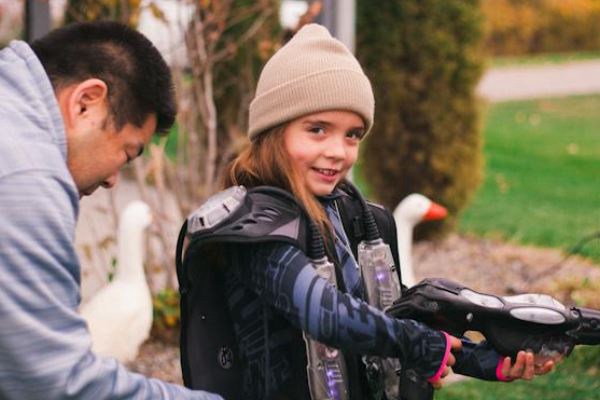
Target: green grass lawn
{"points": [[576, 378], [171, 141], [541, 187], [542, 174], [542, 59]]}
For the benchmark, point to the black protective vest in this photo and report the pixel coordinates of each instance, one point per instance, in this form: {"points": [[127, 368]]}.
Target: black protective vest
{"points": [[209, 354]]}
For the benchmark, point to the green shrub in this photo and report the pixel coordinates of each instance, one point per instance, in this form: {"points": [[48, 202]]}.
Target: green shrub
{"points": [[424, 60], [166, 317]]}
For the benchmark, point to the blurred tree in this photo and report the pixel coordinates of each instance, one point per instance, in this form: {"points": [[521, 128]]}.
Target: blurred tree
{"points": [[225, 43], [541, 26], [126, 11], [250, 43], [11, 21], [424, 60]]}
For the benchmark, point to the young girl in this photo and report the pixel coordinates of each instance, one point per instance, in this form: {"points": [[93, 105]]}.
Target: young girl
{"points": [[313, 107]]}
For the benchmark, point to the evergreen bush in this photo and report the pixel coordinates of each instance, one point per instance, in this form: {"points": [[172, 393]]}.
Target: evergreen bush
{"points": [[424, 60]]}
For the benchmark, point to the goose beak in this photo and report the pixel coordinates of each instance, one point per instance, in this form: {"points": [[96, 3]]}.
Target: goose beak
{"points": [[435, 212]]}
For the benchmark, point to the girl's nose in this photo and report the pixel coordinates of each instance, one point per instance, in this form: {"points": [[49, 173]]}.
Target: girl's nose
{"points": [[335, 148]]}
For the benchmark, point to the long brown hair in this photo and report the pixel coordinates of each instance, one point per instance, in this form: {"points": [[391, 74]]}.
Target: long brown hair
{"points": [[266, 162]]}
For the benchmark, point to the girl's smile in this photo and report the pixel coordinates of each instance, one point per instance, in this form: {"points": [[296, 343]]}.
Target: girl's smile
{"points": [[323, 147]]}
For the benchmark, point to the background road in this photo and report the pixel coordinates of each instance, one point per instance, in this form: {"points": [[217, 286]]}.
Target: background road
{"points": [[527, 82]]}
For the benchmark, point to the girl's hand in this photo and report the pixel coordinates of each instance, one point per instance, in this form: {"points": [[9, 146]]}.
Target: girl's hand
{"points": [[525, 367], [455, 345]]}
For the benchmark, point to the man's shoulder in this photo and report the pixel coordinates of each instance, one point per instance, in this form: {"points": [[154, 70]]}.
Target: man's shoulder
{"points": [[23, 155], [34, 167]]}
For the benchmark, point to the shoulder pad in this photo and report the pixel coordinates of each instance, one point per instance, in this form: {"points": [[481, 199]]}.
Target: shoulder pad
{"points": [[375, 205], [347, 196], [260, 214]]}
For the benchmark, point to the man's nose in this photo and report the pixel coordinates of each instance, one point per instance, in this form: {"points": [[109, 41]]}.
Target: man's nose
{"points": [[111, 181]]}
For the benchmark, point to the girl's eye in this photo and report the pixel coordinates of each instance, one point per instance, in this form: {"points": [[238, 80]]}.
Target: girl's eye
{"points": [[316, 129], [356, 134]]}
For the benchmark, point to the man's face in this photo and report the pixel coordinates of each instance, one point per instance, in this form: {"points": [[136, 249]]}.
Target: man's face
{"points": [[96, 150], [96, 156]]}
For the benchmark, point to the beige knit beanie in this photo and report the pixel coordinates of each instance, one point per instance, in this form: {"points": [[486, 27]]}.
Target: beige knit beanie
{"points": [[313, 72]]}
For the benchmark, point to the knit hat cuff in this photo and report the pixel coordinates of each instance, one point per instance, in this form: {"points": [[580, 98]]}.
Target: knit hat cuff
{"points": [[334, 89]]}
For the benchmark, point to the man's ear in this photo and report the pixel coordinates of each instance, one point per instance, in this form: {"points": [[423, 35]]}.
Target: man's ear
{"points": [[84, 102]]}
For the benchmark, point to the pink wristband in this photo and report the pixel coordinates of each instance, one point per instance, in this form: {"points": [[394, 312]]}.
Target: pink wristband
{"points": [[499, 375], [438, 375]]}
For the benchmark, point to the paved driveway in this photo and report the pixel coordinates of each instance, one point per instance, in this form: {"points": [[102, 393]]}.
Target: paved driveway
{"points": [[517, 83]]}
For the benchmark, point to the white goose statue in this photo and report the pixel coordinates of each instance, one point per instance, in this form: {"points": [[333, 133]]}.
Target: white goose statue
{"points": [[119, 316], [413, 209]]}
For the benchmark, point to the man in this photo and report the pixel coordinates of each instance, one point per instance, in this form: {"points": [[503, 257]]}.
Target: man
{"points": [[74, 108]]}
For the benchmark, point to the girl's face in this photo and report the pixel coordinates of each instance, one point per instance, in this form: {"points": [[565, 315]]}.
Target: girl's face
{"points": [[323, 146]]}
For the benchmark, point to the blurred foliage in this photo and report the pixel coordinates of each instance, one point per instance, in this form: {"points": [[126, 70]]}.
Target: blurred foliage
{"points": [[583, 291], [11, 21], [424, 60], [166, 316], [515, 27], [126, 11], [237, 75], [226, 42]]}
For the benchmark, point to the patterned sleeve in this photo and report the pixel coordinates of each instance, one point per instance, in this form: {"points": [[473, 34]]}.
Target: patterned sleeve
{"points": [[478, 360], [283, 276]]}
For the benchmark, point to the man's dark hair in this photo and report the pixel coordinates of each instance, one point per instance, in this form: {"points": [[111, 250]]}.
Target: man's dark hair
{"points": [[139, 81]]}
